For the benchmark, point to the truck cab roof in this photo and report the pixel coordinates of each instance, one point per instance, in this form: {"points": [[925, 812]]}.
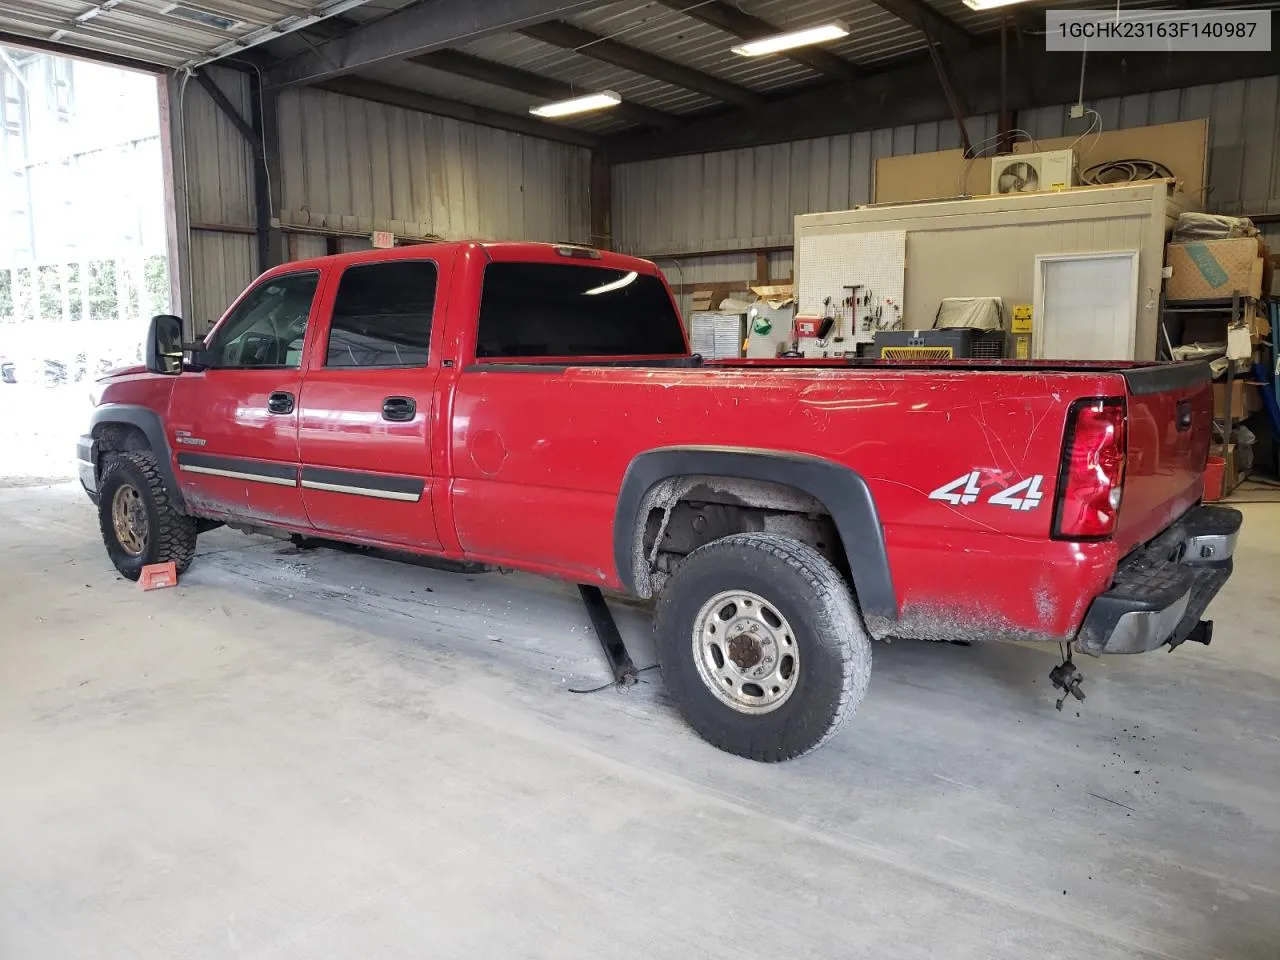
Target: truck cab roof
{"points": [[498, 251]]}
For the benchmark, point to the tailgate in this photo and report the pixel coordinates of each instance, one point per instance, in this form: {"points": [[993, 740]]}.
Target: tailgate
{"points": [[1169, 430]]}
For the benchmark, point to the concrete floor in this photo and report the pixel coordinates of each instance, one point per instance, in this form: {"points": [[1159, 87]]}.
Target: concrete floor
{"points": [[326, 755]]}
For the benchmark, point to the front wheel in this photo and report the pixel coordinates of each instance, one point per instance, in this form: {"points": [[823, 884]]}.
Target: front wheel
{"points": [[140, 523], [762, 646]]}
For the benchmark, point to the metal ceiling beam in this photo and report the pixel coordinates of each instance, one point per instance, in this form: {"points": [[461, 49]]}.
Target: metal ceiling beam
{"points": [[731, 20], [433, 25], [910, 94], [929, 21], [456, 110], [587, 44], [78, 53], [533, 84], [290, 23]]}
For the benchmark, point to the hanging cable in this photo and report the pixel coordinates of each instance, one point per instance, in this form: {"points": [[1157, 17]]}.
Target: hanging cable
{"points": [[1125, 171]]}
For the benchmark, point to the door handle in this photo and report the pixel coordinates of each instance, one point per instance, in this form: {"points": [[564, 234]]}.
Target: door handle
{"points": [[1184, 415], [399, 409], [280, 402]]}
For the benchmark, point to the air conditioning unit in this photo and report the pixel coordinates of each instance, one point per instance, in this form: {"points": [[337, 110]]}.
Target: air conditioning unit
{"points": [[1033, 172]]}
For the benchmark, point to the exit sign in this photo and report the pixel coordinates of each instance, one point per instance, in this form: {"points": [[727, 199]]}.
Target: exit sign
{"points": [[383, 239]]}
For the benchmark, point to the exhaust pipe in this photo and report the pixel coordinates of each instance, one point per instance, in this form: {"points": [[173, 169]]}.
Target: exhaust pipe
{"points": [[1202, 632]]}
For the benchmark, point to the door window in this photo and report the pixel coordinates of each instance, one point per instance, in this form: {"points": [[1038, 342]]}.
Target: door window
{"points": [[563, 310], [382, 315], [267, 328]]}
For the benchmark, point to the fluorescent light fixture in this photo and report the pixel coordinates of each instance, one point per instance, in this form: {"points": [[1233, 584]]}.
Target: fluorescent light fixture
{"points": [[204, 17], [623, 281], [792, 39], [563, 108], [991, 4]]}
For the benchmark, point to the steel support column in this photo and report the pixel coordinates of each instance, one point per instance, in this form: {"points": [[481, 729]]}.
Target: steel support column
{"points": [[1007, 118], [954, 98], [600, 200], [266, 174], [173, 147], [260, 133]]}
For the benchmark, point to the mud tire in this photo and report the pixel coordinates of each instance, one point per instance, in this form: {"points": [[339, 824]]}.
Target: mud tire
{"points": [[171, 534]]}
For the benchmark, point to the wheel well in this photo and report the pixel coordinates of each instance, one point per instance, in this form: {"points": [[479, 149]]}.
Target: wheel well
{"points": [[118, 438], [680, 514]]}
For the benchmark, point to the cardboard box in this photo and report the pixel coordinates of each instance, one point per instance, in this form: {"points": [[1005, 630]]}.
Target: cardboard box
{"points": [[1212, 269], [1259, 326], [775, 292], [1246, 398], [704, 298]]}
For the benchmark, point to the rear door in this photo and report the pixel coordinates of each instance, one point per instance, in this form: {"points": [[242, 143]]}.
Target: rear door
{"points": [[1170, 426], [364, 433], [235, 424]]}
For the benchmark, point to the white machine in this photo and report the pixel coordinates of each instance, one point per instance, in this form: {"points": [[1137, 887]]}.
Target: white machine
{"points": [[716, 335], [1033, 172]]}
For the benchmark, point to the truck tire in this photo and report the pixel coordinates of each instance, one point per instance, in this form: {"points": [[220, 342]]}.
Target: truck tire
{"points": [[140, 524], [762, 646]]}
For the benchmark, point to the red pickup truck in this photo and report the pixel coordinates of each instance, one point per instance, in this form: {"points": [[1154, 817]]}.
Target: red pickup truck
{"points": [[536, 406]]}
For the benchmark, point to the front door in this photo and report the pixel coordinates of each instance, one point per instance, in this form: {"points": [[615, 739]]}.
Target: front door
{"points": [[365, 411], [235, 423]]}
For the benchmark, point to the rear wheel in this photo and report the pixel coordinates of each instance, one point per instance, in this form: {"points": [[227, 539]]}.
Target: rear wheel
{"points": [[762, 646], [140, 523]]}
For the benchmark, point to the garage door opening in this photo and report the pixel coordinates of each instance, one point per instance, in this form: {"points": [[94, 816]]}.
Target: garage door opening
{"points": [[83, 255]]}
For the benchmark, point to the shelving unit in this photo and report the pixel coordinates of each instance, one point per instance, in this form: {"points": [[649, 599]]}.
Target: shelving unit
{"points": [[1232, 310]]}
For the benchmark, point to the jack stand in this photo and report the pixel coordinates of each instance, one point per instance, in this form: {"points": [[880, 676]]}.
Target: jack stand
{"points": [[1067, 677], [615, 651]]}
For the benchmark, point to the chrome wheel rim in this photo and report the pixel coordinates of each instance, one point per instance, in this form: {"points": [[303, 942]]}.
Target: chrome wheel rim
{"points": [[129, 519], [746, 652]]}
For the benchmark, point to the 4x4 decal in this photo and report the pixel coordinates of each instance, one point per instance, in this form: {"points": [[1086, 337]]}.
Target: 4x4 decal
{"points": [[962, 491]]}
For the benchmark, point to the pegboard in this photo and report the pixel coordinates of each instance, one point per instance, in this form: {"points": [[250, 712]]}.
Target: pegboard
{"points": [[875, 260]]}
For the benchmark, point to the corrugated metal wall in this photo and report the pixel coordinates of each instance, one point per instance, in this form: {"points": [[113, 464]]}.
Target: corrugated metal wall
{"points": [[1244, 135], [224, 265], [219, 187], [357, 166], [304, 246], [741, 199], [351, 166]]}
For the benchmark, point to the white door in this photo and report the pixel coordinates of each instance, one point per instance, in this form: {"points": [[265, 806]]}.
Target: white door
{"points": [[1086, 306]]}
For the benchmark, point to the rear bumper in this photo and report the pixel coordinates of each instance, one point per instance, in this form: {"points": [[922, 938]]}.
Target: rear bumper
{"points": [[87, 465], [1160, 591]]}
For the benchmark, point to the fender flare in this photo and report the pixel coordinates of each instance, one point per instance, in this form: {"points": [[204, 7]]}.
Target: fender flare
{"points": [[149, 422], [842, 490]]}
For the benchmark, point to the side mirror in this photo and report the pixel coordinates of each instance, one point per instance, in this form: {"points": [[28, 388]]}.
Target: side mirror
{"points": [[164, 345], [196, 357]]}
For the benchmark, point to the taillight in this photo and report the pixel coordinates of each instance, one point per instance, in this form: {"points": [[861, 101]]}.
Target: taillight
{"points": [[1092, 478]]}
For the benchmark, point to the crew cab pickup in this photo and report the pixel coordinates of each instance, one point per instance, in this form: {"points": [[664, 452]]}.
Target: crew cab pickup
{"points": [[536, 406]]}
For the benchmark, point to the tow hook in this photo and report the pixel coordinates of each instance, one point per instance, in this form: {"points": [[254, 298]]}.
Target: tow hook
{"points": [[1067, 677], [1202, 632]]}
